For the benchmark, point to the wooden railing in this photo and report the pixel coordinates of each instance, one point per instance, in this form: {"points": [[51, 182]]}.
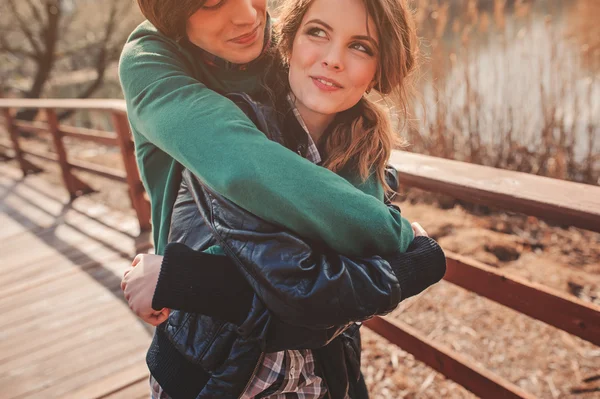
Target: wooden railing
{"points": [[567, 203], [120, 138]]}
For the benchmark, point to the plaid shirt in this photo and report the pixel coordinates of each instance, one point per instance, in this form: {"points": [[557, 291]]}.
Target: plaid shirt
{"points": [[312, 153]]}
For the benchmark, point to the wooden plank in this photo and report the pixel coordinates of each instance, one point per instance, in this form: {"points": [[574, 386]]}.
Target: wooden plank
{"points": [[10, 227], [109, 173], [90, 336], [550, 306], [135, 391], [51, 332], [568, 203], [90, 375], [39, 268], [61, 246], [63, 292], [96, 136], [118, 383], [32, 127], [77, 238], [451, 364], [74, 365]]}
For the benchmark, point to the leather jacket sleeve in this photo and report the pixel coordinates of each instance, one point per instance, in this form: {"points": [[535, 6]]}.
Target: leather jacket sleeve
{"points": [[302, 283], [211, 285]]}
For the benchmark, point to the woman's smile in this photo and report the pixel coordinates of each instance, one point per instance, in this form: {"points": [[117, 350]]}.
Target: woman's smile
{"points": [[325, 84]]}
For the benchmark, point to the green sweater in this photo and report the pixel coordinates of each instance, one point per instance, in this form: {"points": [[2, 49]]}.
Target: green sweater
{"points": [[178, 118]]}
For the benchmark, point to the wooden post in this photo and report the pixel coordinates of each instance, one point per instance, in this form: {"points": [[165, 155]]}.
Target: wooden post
{"points": [[75, 186], [26, 166], [136, 189]]}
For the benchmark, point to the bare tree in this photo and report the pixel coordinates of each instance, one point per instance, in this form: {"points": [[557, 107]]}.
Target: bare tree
{"points": [[42, 38]]}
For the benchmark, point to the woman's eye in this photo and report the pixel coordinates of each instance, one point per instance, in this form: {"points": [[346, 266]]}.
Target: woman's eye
{"points": [[213, 4], [363, 48], [317, 32]]}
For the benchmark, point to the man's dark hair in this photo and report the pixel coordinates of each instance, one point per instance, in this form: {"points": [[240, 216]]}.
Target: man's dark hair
{"points": [[170, 16]]}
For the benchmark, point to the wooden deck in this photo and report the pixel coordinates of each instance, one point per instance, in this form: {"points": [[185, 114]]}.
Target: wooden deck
{"points": [[66, 329]]}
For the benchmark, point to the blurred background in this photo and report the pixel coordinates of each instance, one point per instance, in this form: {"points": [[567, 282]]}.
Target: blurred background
{"points": [[512, 84], [507, 83]]}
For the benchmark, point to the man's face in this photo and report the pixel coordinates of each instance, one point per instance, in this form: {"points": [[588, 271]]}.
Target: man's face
{"points": [[230, 29]]}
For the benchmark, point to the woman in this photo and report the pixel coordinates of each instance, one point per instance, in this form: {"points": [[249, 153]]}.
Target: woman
{"points": [[333, 62]]}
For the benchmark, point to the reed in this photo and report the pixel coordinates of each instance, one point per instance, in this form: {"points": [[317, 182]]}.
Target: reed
{"points": [[510, 86]]}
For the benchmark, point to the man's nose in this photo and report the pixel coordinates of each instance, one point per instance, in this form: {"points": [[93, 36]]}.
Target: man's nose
{"points": [[244, 13]]}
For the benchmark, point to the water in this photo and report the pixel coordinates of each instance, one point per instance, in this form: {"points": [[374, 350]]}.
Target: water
{"points": [[520, 67]]}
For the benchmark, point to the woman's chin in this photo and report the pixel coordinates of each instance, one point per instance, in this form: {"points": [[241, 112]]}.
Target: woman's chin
{"points": [[323, 106]]}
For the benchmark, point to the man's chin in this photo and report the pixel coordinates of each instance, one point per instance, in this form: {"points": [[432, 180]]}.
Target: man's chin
{"points": [[245, 60]]}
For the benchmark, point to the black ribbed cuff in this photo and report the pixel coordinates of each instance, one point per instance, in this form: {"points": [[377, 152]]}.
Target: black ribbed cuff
{"points": [[194, 281], [421, 266], [173, 371]]}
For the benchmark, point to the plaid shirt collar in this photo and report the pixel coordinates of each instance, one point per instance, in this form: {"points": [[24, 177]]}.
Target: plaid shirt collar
{"points": [[312, 152], [218, 62]]}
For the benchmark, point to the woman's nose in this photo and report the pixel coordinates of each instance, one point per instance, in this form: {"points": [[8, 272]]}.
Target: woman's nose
{"points": [[332, 65], [333, 60], [244, 13]]}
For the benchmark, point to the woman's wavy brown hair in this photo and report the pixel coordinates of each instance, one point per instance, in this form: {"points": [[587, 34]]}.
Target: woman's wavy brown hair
{"points": [[363, 137]]}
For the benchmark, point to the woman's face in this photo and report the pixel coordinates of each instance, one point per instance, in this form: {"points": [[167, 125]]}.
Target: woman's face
{"points": [[333, 59], [230, 29]]}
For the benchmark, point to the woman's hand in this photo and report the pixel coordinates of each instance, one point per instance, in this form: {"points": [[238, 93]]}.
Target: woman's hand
{"points": [[418, 230], [139, 283]]}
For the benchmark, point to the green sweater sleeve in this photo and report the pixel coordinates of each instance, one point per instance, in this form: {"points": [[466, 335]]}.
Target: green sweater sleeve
{"points": [[212, 137], [373, 187]]}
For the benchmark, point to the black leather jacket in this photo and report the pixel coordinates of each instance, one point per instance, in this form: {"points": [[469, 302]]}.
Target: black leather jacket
{"points": [[313, 295]]}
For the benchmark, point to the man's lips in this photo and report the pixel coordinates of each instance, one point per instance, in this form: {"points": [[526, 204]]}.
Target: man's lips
{"points": [[246, 36]]}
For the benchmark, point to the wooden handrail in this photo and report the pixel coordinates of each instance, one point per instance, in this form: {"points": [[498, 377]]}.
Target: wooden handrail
{"points": [[565, 202], [79, 104], [568, 313]]}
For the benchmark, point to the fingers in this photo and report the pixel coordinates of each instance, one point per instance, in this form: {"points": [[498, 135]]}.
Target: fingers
{"points": [[162, 316], [124, 280], [137, 259], [418, 230], [156, 318]]}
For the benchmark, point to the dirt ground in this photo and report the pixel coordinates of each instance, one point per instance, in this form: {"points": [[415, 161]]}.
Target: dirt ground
{"points": [[542, 360]]}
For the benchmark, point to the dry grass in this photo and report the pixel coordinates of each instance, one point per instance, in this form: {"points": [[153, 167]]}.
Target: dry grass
{"points": [[510, 86], [540, 359]]}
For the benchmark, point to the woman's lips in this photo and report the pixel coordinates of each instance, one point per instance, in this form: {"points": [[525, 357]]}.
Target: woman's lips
{"points": [[325, 84], [247, 38]]}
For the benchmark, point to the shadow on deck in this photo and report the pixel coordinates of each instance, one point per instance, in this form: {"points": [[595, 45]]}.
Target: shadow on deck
{"points": [[66, 330]]}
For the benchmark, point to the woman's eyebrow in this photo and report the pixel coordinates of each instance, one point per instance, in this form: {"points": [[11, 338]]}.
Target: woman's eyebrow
{"points": [[320, 22]]}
